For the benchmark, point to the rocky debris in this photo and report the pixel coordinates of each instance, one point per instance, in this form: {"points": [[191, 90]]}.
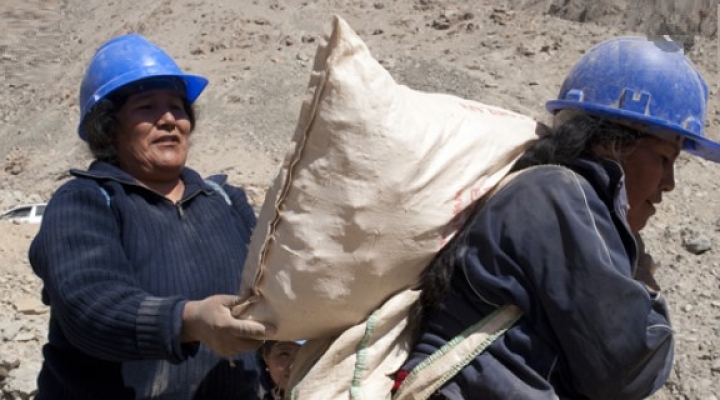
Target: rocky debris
{"points": [[21, 383], [257, 54], [664, 17], [15, 163], [697, 244], [30, 306], [23, 330]]}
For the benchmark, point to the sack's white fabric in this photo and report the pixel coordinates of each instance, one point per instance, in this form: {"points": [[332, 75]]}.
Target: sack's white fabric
{"points": [[376, 183], [361, 362]]}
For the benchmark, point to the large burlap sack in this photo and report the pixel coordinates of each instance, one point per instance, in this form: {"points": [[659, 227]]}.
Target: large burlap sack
{"points": [[375, 185], [362, 361]]}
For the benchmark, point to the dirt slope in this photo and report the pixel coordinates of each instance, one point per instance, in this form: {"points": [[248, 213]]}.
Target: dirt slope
{"points": [[510, 53]]}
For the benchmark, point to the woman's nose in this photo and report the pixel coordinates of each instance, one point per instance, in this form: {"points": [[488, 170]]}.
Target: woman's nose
{"points": [[668, 181], [167, 118]]}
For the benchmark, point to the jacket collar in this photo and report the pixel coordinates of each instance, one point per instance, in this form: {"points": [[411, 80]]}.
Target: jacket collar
{"points": [[102, 171], [608, 180]]}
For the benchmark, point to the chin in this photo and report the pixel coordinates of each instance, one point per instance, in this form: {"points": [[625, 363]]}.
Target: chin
{"points": [[637, 226], [174, 167]]}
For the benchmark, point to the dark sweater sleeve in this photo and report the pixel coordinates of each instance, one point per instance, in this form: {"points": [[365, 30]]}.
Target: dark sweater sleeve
{"points": [[89, 284], [615, 337]]}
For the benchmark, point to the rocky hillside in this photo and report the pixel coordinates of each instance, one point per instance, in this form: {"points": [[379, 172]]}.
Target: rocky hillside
{"points": [[257, 54]]}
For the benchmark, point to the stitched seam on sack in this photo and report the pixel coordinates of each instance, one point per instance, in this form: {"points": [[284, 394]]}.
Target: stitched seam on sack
{"points": [[481, 348], [270, 236], [445, 348], [453, 343], [361, 357]]}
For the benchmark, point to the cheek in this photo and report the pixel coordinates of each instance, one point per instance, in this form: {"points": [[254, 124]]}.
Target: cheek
{"points": [[632, 188], [276, 372], [185, 127], [133, 136], [641, 180], [137, 146], [634, 197]]}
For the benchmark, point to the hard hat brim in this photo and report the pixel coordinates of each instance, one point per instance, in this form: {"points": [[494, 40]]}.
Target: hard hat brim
{"points": [[694, 144]]}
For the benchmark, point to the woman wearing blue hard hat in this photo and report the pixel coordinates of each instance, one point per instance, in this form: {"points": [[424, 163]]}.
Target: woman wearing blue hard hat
{"points": [[550, 272], [140, 256]]}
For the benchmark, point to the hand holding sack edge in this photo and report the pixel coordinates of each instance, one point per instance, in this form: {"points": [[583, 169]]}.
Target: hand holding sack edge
{"points": [[211, 322]]}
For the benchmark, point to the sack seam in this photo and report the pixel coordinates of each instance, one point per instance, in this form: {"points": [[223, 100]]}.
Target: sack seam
{"points": [[453, 343]]}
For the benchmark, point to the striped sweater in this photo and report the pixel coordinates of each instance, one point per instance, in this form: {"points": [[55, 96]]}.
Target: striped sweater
{"points": [[118, 265]]}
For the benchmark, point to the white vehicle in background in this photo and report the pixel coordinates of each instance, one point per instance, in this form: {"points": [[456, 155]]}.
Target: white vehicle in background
{"points": [[30, 213]]}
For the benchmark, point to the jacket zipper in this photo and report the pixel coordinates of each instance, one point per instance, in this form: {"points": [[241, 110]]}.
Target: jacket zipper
{"points": [[181, 212]]}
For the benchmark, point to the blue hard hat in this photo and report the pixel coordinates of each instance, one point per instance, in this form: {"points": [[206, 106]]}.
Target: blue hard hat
{"points": [[124, 60], [648, 84]]}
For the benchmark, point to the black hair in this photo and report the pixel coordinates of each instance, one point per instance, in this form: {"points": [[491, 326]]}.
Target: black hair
{"points": [[576, 137], [262, 351], [265, 349], [100, 123]]}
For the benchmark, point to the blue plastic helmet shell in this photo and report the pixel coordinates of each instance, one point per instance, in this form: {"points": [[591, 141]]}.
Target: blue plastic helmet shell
{"points": [[648, 84], [126, 59]]}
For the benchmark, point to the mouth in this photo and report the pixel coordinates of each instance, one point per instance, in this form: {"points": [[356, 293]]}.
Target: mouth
{"points": [[167, 139], [652, 205]]}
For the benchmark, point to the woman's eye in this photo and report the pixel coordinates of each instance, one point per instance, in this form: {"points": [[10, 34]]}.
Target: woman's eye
{"points": [[668, 159]]}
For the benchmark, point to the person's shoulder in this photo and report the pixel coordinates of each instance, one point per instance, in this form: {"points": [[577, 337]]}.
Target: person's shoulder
{"points": [[236, 196], [549, 184], [549, 177], [220, 182], [551, 171], [81, 188], [215, 181], [220, 179], [77, 196], [78, 184]]}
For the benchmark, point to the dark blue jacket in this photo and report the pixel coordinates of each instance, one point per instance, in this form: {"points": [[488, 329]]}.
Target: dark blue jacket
{"points": [[117, 271], [555, 243]]}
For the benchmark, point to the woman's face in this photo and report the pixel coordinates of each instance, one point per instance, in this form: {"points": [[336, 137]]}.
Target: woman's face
{"points": [[153, 135], [278, 361], [649, 171]]}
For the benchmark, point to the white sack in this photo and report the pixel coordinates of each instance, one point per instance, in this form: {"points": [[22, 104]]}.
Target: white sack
{"points": [[375, 185], [362, 361]]}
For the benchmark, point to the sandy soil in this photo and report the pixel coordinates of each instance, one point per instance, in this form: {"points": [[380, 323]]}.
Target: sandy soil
{"points": [[257, 54]]}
